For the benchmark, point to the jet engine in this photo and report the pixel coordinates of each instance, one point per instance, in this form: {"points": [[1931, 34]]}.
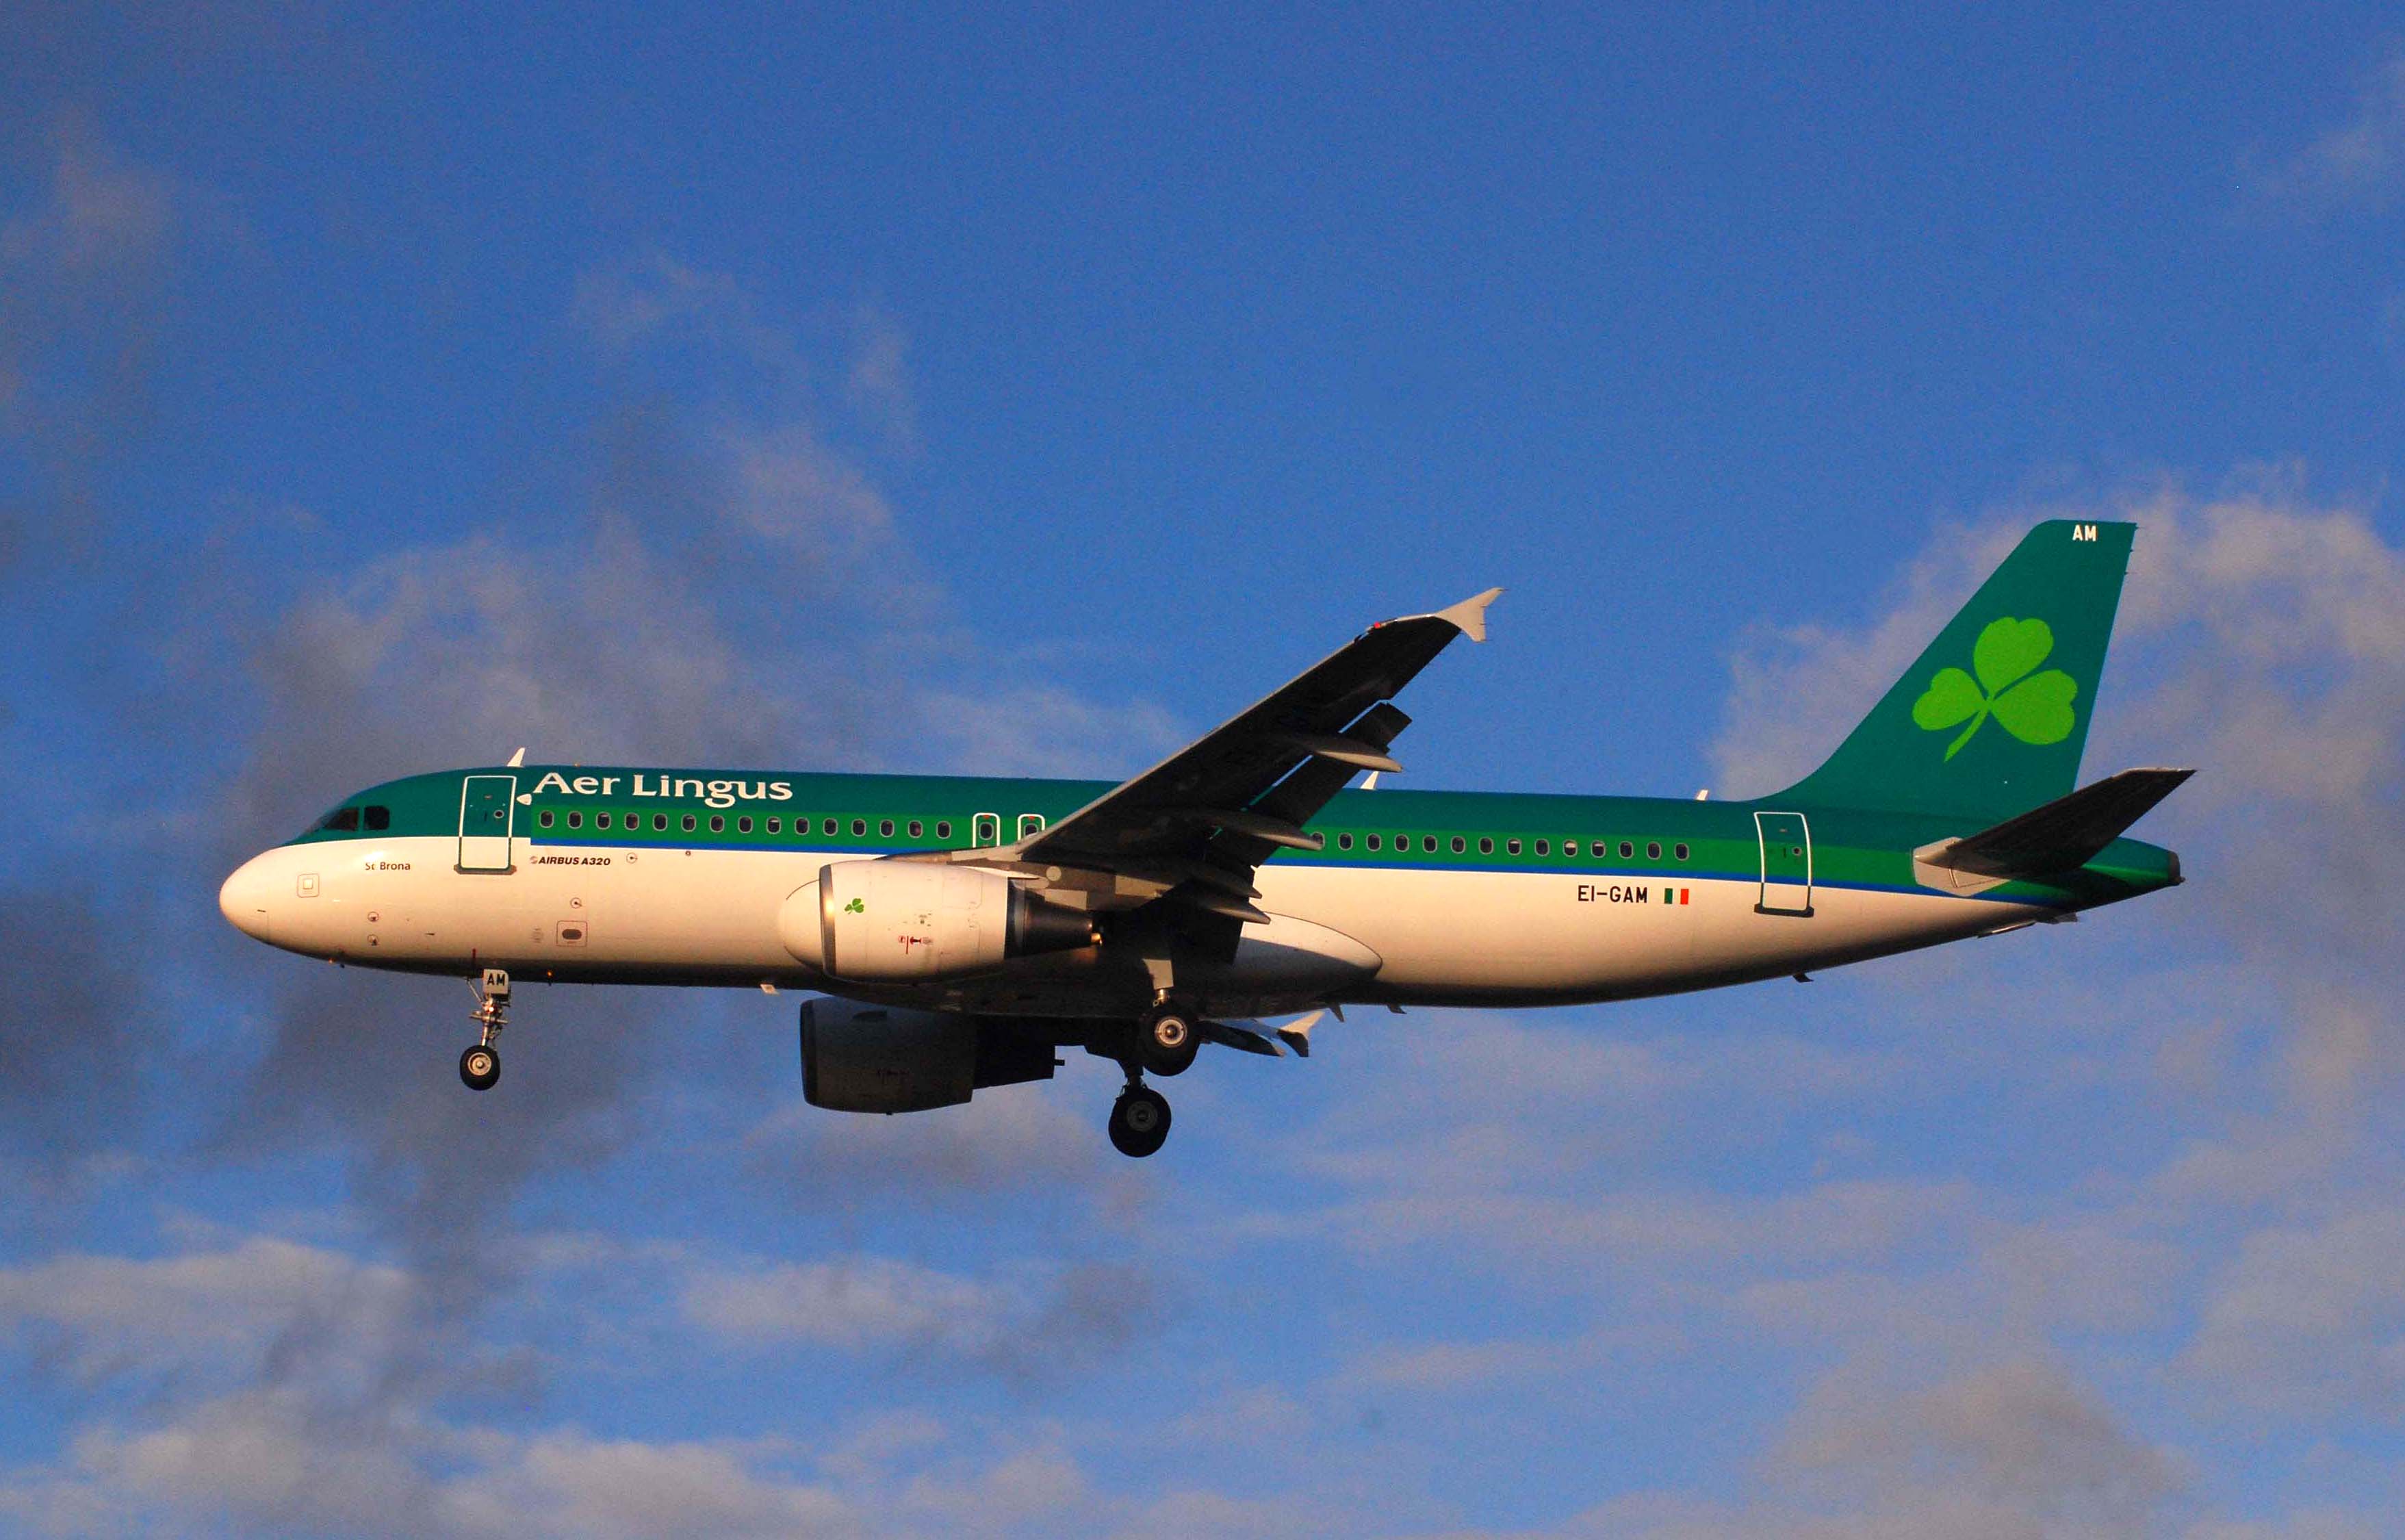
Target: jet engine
{"points": [[899, 921], [874, 1058]]}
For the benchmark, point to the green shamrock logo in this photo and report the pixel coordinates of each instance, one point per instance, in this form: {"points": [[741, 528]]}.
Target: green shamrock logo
{"points": [[2035, 708], [856, 907]]}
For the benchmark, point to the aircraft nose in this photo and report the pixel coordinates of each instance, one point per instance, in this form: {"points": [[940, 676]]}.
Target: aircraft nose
{"points": [[244, 899]]}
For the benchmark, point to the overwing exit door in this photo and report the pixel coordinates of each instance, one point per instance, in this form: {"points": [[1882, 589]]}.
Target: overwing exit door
{"points": [[488, 804], [1786, 863]]}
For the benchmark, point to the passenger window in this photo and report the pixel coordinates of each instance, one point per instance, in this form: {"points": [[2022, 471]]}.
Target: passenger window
{"points": [[600, 820], [1029, 825], [1373, 841], [1679, 850], [1402, 841], [543, 818], [1459, 845], [1652, 851], [688, 822], [660, 822], [827, 828], [1427, 844], [1569, 847], [1544, 849], [743, 825], [1512, 845], [859, 828], [776, 826], [943, 828], [885, 829], [576, 820], [1344, 842], [378, 818], [717, 823], [1485, 846], [918, 829], [1626, 850]]}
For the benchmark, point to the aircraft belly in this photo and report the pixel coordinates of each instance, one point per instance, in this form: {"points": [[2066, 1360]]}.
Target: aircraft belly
{"points": [[1465, 935], [1487, 930]]}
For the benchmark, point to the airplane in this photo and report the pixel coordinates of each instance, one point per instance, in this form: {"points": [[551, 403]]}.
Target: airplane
{"points": [[962, 932]]}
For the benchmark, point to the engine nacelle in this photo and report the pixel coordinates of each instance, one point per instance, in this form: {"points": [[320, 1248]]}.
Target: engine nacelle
{"points": [[874, 1058], [896, 921]]}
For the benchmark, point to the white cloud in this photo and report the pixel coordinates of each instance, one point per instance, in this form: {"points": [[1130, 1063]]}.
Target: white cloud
{"points": [[569, 1483], [2360, 163], [2012, 1450], [1029, 1319], [84, 298], [2309, 1319], [230, 1309]]}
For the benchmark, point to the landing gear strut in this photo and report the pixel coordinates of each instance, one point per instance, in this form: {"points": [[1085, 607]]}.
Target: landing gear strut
{"points": [[480, 1067]]}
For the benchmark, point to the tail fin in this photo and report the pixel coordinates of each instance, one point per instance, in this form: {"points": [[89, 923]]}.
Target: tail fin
{"points": [[1991, 722]]}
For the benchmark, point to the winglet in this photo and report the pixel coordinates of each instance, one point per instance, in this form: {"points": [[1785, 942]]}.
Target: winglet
{"points": [[1469, 616]]}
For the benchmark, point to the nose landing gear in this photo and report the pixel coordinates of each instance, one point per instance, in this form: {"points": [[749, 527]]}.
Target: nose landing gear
{"points": [[480, 1067]]}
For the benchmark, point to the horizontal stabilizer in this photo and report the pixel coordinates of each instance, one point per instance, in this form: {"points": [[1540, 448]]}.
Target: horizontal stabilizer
{"points": [[2064, 834]]}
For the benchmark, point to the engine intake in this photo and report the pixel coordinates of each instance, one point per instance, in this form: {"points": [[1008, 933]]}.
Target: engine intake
{"points": [[888, 921], [874, 1058]]}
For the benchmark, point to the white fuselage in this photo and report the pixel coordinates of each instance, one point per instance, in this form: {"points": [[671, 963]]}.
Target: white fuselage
{"points": [[1394, 934]]}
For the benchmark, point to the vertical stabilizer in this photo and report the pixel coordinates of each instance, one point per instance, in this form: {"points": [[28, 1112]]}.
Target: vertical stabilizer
{"points": [[1991, 720]]}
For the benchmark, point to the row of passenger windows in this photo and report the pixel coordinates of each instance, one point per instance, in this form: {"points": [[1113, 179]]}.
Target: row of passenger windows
{"points": [[916, 829], [374, 818], [1599, 849], [774, 824]]}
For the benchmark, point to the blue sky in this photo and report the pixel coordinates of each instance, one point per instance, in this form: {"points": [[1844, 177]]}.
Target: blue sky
{"points": [[1025, 391]]}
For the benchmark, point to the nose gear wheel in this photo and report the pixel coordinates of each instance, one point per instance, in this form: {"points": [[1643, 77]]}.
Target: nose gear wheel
{"points": [[480, 1067]]}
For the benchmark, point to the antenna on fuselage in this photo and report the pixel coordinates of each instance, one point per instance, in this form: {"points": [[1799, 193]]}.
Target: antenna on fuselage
{"points": [[517, 760]]}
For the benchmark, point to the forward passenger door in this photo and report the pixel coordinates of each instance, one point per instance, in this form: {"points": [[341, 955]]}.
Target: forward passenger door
{"points": [[488, 819]]}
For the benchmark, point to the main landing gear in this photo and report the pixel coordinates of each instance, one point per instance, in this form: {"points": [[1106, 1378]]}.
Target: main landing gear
{"points": [[1166, 1038], [480, 1067], [1139, 1120]]}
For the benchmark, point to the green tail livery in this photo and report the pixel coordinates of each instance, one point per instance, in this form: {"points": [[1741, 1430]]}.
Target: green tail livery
{"points": [[962, 932], [2005, 733]]}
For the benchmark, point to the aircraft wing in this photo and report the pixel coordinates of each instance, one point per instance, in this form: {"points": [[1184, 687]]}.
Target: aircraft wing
{"points": [[1202, 820]]}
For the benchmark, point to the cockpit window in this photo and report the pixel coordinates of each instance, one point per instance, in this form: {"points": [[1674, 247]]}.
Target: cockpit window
{"points": [[342, 821], [376, 818]]}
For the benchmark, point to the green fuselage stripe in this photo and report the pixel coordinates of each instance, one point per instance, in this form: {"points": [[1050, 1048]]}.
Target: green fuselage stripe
{"points": [[1851, 848]]}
